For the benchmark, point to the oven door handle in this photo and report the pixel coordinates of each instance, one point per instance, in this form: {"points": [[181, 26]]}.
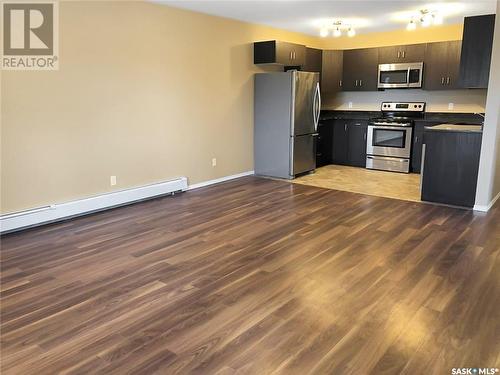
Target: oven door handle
{"points": [[390, 127]]}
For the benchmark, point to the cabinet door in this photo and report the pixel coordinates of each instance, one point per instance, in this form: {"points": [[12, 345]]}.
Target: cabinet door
{"points": [[367, 66], [390, 55], [360, 70], [340, 146], [284, 53], [414, 52], [298, 55], [436, 66], [477, 45], [357, 143], [416, 150], [331, 71], [313, 60], [324, 146], [451, 167], [350, 70], [453, 75]]}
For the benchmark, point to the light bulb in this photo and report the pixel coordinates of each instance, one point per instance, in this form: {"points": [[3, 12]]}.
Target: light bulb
{"points": [[426, 21], [323, 32], [438, 19], [411, 25], [337, 32], [351, 32]]}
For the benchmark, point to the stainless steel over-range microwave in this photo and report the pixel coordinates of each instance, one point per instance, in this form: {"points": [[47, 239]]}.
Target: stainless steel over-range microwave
{"points": [[403, 75]]}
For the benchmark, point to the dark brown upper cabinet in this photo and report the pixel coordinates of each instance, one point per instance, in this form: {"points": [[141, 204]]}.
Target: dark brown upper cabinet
{"points": [[360, 68], [442, 66], [313, 60], [477, 44], [331, 74], [400, 54], [277, 52]]}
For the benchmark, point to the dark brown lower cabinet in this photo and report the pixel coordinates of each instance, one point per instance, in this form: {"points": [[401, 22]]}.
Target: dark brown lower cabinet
{"points": [[349, 142], [451, 164], [324, 143], [418, 136]]}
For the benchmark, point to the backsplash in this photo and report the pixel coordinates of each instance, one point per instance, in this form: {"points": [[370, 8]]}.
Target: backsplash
{"points": [[464, 101]]}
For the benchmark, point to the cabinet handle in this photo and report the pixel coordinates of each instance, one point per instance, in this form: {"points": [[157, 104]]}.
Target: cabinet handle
{"points": [[399, 54], [416, 139], [345, 127], [340, 83], [442, 80], [361, 82], [364, 136], [290, 55], [447, 80], [355, 84], [404, 54]]}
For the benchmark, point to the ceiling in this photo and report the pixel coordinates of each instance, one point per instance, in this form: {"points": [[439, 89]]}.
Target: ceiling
{"points": [[309, 17]]}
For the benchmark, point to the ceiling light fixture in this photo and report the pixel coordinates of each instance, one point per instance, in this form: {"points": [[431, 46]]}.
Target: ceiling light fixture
{"points": [[426, 18], [337, 27]]}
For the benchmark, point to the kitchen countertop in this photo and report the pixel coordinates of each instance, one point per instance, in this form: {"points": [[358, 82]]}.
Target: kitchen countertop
{"points": [[445, 117], [455, 128]]}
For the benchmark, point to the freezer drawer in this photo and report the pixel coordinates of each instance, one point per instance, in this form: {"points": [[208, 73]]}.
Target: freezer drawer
{"points": [[303, 155]]}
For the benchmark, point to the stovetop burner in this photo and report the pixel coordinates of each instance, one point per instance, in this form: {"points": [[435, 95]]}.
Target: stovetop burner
{"points": [[397, 113]]}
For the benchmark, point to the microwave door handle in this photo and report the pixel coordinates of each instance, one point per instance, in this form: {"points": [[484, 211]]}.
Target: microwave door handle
{"points": [[408, 77]]}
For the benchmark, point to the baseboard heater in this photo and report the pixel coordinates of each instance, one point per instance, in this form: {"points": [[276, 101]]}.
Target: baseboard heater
{"points": [[43, 215]]}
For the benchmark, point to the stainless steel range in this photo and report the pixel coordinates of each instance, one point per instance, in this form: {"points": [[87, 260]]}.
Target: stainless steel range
{"points": [[389, 139]]}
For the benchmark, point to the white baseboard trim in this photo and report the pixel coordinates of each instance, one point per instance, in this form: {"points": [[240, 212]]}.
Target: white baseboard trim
{"points": [[55, 212], [218, 180], [486, 208]]}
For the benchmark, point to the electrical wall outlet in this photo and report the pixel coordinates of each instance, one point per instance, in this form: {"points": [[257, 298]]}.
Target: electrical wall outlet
{"points": [[112, 180], [349, 104], [214, 162], [451, 105]]}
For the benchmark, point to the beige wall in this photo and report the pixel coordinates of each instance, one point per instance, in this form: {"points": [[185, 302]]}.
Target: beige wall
{"points": [[144, 92], [488, 185]]}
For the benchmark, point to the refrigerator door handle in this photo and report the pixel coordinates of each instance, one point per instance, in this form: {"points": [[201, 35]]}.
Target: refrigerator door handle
{"points": [[314, 110], [317, 101]]}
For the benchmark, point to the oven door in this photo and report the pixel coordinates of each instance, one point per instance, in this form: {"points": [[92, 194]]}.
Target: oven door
{"points": [[400, 75], [389, 141]]}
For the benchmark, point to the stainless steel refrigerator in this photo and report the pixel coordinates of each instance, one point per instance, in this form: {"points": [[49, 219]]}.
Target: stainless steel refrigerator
{"points": [[286, 114]]}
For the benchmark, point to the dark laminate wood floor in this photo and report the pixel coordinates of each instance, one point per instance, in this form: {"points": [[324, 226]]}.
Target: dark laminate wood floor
{"points": [[255, 276]]}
